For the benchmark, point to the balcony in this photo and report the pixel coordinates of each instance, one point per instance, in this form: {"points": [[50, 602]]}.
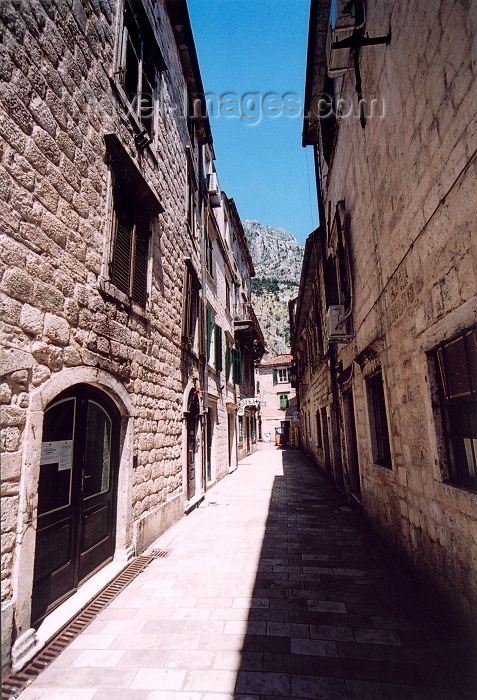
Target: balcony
{"points": [[247, 330]]}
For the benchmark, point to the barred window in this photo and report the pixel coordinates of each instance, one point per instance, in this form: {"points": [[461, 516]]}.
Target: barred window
{"points": [[456, 362]]}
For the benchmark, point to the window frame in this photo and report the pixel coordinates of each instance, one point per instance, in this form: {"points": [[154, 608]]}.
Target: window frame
{"points": [[136, 25], [138, 235], [378, 420], [457, 412], [191, 307]]}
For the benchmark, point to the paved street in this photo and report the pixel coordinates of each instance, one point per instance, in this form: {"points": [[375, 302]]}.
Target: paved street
{"points": [[273, 587]]}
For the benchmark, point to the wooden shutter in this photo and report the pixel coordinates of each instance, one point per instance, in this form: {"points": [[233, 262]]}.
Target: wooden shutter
{"points": [[141, 255], [457, 362], [218, 348], [275, 377], [228, 358], [237, 366], [121, 262], [209, 329]]}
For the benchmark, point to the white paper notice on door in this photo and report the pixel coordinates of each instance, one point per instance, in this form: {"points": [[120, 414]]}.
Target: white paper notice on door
{"points": [[58, 452]]}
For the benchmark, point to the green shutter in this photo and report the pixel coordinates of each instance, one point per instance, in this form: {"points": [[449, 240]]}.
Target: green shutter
{"points": [[227, 359], [218, 348], [209, 330], [275, 376], [288, 374], [258, 387], [237, 366], [283, 400]]}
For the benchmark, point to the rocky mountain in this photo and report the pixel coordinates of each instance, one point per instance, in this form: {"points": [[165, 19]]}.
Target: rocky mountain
{"points": [[277, 257]]}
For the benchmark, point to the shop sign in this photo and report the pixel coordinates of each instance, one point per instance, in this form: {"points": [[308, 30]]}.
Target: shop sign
{"points": [[243, 403]]}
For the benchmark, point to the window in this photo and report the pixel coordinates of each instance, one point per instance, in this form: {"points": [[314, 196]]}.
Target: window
{"points": [[331, 282], [283, 400], [190, 325], [209, 327], [227, 296], [240, 429], [209, 255], [378, 420], [140, 60], [237, 366], [457, 374], [130, 255], [218, 347], [228, 358], [281, 376], [257, 388], [319, 436]]}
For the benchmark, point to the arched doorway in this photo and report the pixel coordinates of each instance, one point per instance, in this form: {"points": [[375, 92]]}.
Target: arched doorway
{"points": [[76, 494], [193, 442]]}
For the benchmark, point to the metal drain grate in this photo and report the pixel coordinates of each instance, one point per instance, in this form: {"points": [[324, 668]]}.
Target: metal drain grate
{"points": [[159, 553], [16, 682]]}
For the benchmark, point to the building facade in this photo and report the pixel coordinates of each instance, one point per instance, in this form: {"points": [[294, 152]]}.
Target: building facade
{"points": [[278, 405], [383, 329], [109, 394], [250, 344]]}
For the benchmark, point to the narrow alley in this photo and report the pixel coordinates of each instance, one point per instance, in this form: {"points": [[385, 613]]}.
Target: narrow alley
{"points": [[274, 586]]}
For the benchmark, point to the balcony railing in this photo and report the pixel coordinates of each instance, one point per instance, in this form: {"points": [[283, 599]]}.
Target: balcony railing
{"points": [[246, 324]]}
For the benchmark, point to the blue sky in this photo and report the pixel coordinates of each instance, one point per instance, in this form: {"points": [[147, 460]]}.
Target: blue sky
{"points": [[258, 46]]}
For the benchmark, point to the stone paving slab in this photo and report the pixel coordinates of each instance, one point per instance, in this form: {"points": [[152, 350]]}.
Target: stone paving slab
{"points": [[273, 587]]}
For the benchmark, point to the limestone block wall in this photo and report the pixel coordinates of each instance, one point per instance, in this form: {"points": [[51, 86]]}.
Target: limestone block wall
{"points": [[57, 59], [219, 392], [408, 182]]}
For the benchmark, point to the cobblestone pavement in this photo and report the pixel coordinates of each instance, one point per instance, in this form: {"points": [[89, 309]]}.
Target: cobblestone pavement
{"points": [[273, 587]]}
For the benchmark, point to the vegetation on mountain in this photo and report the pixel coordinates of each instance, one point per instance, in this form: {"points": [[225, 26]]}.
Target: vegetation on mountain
{"points": [[277, 258]]}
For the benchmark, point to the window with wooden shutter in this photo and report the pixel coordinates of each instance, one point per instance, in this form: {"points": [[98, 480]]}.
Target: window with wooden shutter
{"points": [[130, 256], [275, 376], [140, 64], [209, 329], [283, 400], [228, 358], [218, 348], [457, 374], [237, 366]]}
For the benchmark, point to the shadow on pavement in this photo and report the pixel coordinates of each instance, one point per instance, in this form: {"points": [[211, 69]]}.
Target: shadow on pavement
{"points": [[332, 616]]}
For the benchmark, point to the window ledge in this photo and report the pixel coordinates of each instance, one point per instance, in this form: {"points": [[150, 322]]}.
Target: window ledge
{"points": [[211, 279], [467, 489], [108, 289]]}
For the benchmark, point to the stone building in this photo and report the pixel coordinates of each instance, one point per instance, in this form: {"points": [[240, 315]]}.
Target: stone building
{"points": [[278, 405], [104, 223], [232, 345], [383, 329], [250, 344]]}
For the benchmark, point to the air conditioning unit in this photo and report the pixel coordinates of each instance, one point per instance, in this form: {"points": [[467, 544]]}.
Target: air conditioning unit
{"points": [[338, 324], [345, 25], [213, 189]]}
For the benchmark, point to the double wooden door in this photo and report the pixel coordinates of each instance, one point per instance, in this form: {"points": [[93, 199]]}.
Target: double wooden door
{"points": [[76, 494]]}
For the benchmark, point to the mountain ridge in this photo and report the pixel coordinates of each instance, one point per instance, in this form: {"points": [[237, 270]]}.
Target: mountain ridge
{"points": [[277, 258]]}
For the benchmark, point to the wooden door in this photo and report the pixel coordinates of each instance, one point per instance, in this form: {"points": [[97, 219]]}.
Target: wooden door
{"points": [[76, 495]]}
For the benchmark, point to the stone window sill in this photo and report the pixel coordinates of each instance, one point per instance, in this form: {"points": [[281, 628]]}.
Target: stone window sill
{"points": [[108, 289]]}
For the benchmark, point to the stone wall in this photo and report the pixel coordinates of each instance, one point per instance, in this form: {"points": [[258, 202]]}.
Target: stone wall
{"points": [[57, 103], [407, 182]]}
